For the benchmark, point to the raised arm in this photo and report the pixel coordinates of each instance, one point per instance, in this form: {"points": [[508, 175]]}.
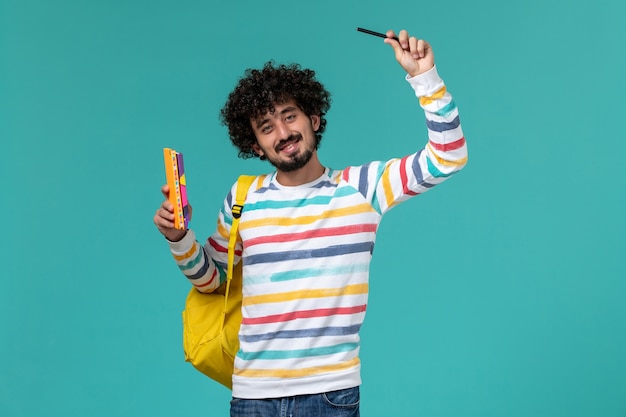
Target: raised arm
{"points": [[391, 182]]}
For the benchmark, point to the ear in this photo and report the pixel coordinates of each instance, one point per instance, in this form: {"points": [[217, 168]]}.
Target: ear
{"points": [[315, 122], [256, 148]]}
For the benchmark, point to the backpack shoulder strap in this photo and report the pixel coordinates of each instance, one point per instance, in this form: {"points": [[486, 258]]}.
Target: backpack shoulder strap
{"points": [[243, 185]]}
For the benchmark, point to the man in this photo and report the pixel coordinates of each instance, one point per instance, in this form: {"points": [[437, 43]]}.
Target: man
{"points": [[307, 234]]}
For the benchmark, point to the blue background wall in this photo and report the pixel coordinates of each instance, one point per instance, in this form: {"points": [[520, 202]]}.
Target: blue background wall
{"points": [[499, 294]]}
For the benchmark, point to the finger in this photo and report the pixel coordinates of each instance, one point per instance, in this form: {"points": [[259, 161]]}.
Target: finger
{"points": [[391, 38], [421, 48], [165, 190], [403, 37], [413, 47], [427, 51], [162, 222], [167, 206], [167, 214], [391, 34], [395, 45]]}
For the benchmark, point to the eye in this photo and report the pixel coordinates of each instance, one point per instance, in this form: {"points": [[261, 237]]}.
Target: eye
{"points": [[290, 117], [266, 129]]}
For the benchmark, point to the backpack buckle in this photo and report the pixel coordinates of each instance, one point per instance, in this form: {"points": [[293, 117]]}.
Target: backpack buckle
{"points": [[237, 208]]}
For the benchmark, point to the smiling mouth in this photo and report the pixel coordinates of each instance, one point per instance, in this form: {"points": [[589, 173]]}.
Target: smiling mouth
{"points": [[284, 144]]}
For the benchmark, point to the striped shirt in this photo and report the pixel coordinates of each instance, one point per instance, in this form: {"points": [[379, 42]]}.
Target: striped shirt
{"points": [[306, 252]]}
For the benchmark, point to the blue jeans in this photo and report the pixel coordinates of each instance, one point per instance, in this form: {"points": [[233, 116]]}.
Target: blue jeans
{"points": [[342, 403]]}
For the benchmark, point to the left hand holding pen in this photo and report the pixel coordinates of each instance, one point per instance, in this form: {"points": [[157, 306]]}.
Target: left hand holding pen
{"points": [[414, 55]]}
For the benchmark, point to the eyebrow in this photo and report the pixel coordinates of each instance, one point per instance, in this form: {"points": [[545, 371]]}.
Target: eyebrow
{"points": [[265, 120]]}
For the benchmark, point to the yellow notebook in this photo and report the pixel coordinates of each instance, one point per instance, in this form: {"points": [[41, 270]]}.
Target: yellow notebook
{"points": [[175, 174]]}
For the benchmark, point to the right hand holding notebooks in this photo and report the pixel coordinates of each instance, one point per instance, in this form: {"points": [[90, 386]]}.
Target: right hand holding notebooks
{"points": [[175, 174]]}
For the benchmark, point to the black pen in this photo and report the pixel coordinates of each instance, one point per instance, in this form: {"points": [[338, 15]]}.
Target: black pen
{"points": [[371, 32]]}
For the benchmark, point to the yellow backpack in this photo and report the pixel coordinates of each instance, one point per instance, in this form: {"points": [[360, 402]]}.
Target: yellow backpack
{"points": [[211, 321]]}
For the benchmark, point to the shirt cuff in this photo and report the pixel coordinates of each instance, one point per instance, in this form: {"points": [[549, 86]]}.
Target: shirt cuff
{"points": [[426, 83], [182, 246]]}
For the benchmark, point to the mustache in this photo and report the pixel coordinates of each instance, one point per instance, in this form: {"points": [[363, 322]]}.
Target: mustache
{"points": [[283, 142]]}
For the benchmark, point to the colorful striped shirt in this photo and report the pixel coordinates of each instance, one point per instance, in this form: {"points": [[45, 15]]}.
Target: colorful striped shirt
{"points": [[306, 252]]}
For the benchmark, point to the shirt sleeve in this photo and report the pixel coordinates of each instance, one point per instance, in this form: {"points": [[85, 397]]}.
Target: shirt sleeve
{"points": [[387, 183], [205, 265]]}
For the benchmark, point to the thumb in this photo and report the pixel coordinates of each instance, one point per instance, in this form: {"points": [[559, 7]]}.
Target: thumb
{"points": [[395, 45], [165, 190]]}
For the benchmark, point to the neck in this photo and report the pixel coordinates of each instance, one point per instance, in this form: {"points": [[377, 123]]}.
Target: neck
{"points": [[308, 173]]}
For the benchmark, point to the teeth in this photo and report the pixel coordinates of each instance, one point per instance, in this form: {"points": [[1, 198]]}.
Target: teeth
{"points": [[288, 146]]}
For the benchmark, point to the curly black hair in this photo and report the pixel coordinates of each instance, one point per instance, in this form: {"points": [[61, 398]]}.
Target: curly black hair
{"points": [[260, 90]]}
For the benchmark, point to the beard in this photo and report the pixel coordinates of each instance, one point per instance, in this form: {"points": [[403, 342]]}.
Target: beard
{"points": [[295, 162]]}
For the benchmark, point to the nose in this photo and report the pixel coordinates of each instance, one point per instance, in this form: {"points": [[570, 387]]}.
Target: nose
{"points": [[282, 130]]}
